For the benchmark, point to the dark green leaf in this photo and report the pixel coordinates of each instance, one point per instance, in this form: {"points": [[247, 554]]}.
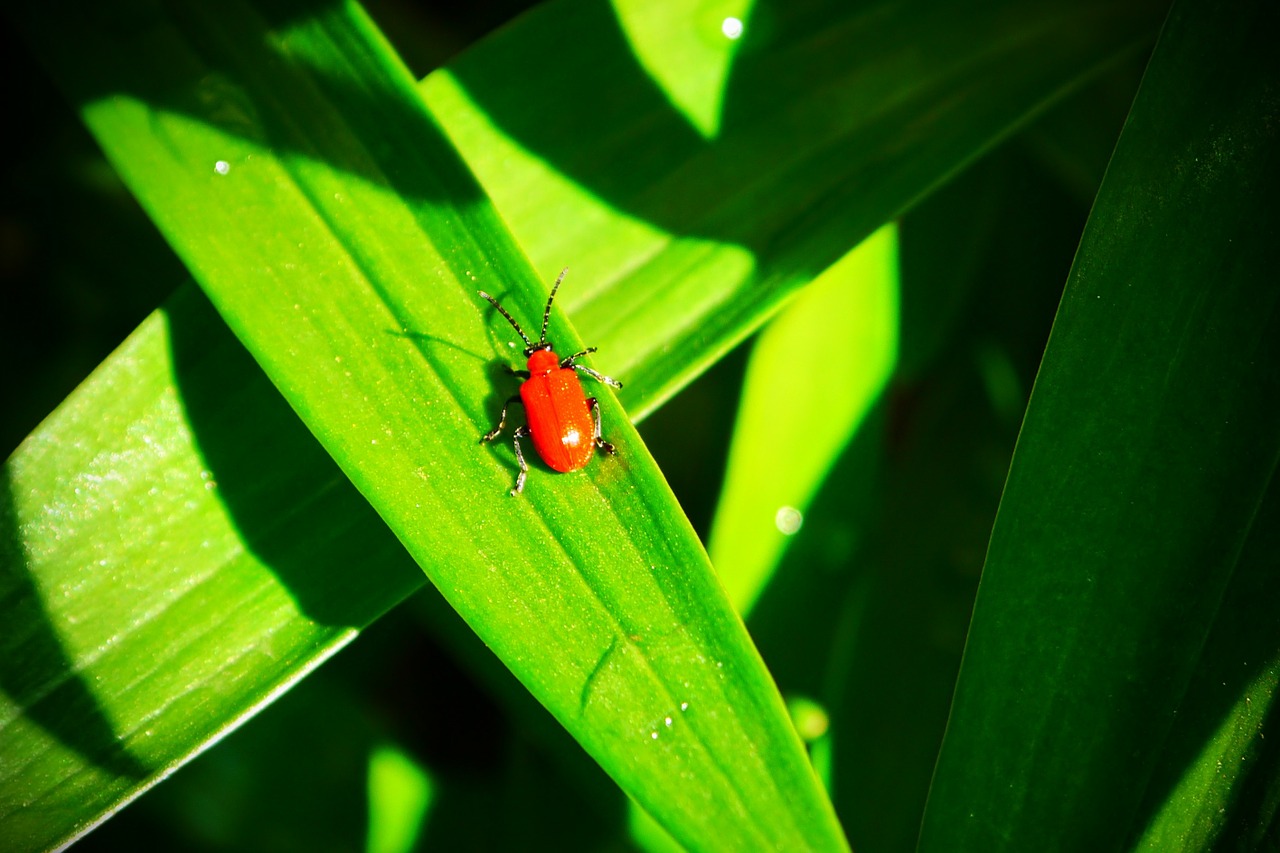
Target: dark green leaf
{"points": [[1151, 437]]}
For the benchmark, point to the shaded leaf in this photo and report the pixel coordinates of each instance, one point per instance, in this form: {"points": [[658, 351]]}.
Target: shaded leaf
{"points": [[1140, 470]]}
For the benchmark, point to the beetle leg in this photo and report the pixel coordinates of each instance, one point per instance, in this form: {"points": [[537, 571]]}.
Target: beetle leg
{"points": [[522, 432], [599, 377], [569, 361], [523, 374], [594, 405], [502, 420]]}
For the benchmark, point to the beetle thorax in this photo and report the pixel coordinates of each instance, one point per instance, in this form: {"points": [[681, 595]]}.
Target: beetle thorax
{"points": [[543, 361]]}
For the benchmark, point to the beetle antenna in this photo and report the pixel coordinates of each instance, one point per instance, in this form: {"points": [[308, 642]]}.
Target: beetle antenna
{"points": [[513, 323], [546, 315]]}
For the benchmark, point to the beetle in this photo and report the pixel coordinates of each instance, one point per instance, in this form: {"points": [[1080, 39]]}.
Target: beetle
{"points": [[563, 422]]}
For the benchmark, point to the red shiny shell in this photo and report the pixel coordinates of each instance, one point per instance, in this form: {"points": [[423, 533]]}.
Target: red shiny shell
{"points": [[556, 407]]}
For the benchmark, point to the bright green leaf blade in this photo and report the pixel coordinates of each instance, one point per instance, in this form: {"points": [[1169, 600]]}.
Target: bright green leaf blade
{"points": [[814, 375], [193, 600], [1151, 436], [312, 229]]}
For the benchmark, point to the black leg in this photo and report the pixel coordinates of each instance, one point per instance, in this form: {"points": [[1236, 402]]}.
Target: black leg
{"points": [[522, 432], [502, 419], [599, 377], [569, 362], [594, 405], [523, 374]]}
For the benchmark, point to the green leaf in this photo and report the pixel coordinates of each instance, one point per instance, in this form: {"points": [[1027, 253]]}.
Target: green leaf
{"points": [[814, 376], [237, 554], [1139, 478], [157, 594]]}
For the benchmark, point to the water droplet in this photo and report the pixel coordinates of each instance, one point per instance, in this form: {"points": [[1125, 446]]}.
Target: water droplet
{"points": [[222, 167], [788, 520], [731, 27]]}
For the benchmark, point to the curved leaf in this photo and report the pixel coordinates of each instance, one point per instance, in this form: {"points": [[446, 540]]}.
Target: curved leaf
{"points": [[814, 376], [1151, 438]]}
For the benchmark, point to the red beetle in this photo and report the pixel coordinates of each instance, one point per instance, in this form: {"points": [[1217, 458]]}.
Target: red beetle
{"points": [[563, 421]]}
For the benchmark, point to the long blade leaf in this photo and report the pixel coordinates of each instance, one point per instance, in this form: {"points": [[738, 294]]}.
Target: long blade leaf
{"points": [[1151, 437]]}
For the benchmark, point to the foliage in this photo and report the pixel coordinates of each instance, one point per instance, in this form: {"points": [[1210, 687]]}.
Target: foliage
{"points": [[248, 481]]}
